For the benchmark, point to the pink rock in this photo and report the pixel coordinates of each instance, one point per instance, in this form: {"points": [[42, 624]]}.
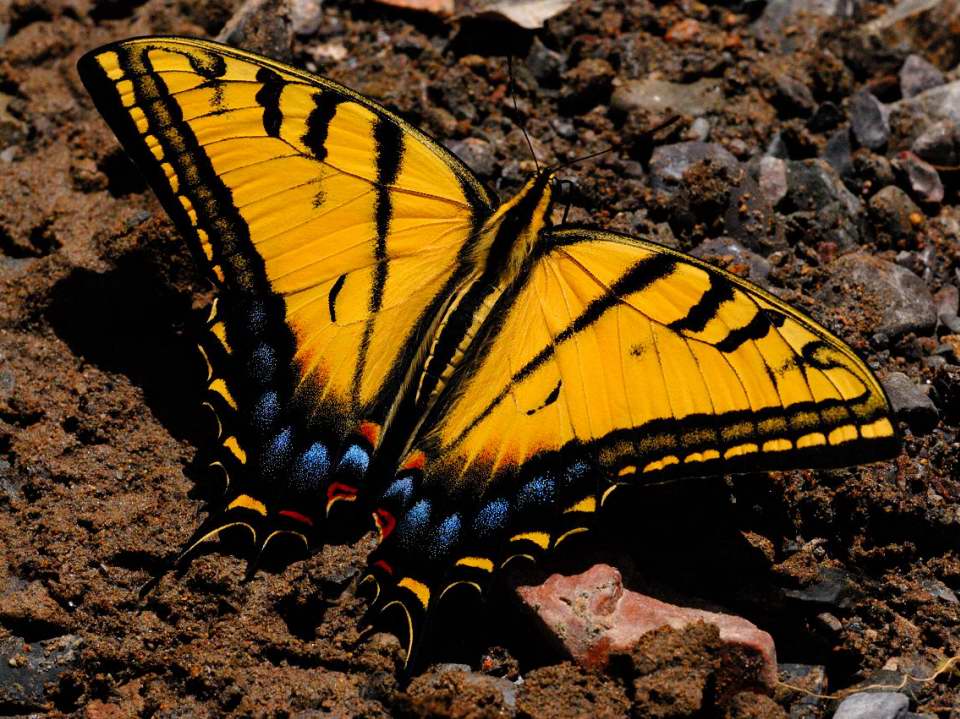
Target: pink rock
{"points": [[593, 616]]}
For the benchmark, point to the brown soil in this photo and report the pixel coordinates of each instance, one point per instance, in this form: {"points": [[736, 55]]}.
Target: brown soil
{"points": [[99, 425]]}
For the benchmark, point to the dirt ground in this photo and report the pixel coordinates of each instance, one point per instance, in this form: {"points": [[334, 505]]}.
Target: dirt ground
{"points": [[853, 572]]}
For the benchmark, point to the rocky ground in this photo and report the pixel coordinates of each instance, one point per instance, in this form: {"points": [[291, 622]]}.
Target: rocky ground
{"points": [[812, 146]]}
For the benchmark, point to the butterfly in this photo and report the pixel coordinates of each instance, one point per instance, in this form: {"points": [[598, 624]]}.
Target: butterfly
{"points": [[391, 341]]}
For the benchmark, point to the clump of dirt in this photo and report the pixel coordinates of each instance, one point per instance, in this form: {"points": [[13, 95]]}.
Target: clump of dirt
{"points": [[854, 572]]}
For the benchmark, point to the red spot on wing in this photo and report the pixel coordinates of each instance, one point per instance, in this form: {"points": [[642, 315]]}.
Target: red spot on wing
{"points": [[385, 522], [296, 516], [384, 566]]}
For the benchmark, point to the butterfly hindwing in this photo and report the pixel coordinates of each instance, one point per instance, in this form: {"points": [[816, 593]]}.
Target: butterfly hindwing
{"points": [[332, 229], [617, 362]]}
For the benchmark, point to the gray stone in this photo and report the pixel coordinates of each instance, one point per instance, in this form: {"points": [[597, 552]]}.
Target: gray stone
{"points": [[699, 130], [779, 15], [939, 144], [306, 16], [834, 588], [545, 64], [938, 103], [940, 590], [869, 120], [727, 247], [839, 152], [262, 26], [772, 178], [917, 26], [659, 96], [893, 214], [873, 705], [476, 153], [811, 679], [669, 162], [819, 202], [910, 403], [25, 669], [826, 117], [918, 75], [923, 177], [895, 295], [793, 96]]}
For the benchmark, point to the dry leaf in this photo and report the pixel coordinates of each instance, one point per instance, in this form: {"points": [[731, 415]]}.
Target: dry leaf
{"points": [[529, 14], [437, 7]]}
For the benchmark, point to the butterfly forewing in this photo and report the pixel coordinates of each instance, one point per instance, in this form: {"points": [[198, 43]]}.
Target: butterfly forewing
{"points": [[332, 228]]}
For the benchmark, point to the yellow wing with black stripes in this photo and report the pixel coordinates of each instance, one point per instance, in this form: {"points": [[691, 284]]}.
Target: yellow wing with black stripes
{"points": [[651, 363], [614, 362], [333, 231]]}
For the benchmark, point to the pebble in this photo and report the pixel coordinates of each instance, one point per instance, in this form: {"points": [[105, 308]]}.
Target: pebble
{"points": [[839, 152], [592, 616], [659, 96], [918, 75], [25, 669], [793, 96], [947, 300], [498, 696], [779, 16], [829, 209], [939, 144], [478, 154], [545, 65], [262, 26], [872, 169], [893, 214], [869, 120], [896, 295], [923, 178], [306, 16], [826, 117], [833, 588], [938, 103], [873, 705], [699, 130], [669, 162], [910, 403], [587, 85], [812, 680], [938, 589], [725, 247]]}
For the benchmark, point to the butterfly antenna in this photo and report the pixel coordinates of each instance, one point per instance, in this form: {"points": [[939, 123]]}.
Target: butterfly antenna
{"points": [[516, 110], [582, 158]]}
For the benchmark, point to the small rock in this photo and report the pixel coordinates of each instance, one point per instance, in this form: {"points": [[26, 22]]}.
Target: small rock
{"points": [[659, 96], [545, 64], [586, 86], [787, 18], [478, 154], [262, 26], [833, 588], [699, 130], [820, 205], [910, 403], [687, 30], [939, 144], [838, 152], [456, 683], [669, 162], [772, 179], [894, 215], [923, 178], [826, 117], [895, 295], [811, 681], [872, 170], [938, 103], [927, 26], [724, 247], [25, 669], [592, 616], [869, 120], [947, 300], [940, 590], [793, 96], [918, 75], [306, 16], [873, 705]]}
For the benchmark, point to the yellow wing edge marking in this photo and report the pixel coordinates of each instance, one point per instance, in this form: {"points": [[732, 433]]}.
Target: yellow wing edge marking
{"points": [[569, 533], [236, 450], [245, 501], [477, 562], [587, 504], [419, 589], [541, 539], [220, 387], [467, 582]]}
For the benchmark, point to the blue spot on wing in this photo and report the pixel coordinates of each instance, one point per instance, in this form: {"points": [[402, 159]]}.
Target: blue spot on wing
{"points": [[492, 517], [401, 489], [575, 472], [355, 458], [256, 317], [538, 491], [447, 535], [265, 411], [277, 452], [263, 363], [414, 523], [311, 467]]}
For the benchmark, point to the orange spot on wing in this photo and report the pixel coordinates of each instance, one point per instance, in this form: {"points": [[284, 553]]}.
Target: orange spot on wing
{"points": [[371, 431], [415, 460], [340, 492]]}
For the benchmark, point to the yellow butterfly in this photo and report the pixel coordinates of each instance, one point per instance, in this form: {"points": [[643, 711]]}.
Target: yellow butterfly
{"points": [[387, 336]]}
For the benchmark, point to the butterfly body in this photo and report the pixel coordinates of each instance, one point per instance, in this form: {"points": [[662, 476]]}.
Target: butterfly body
{"points": [[389, 338]]}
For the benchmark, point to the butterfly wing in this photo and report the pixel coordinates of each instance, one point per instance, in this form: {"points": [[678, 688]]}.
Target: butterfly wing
{"points": [[332, 229], [617, 362]]}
